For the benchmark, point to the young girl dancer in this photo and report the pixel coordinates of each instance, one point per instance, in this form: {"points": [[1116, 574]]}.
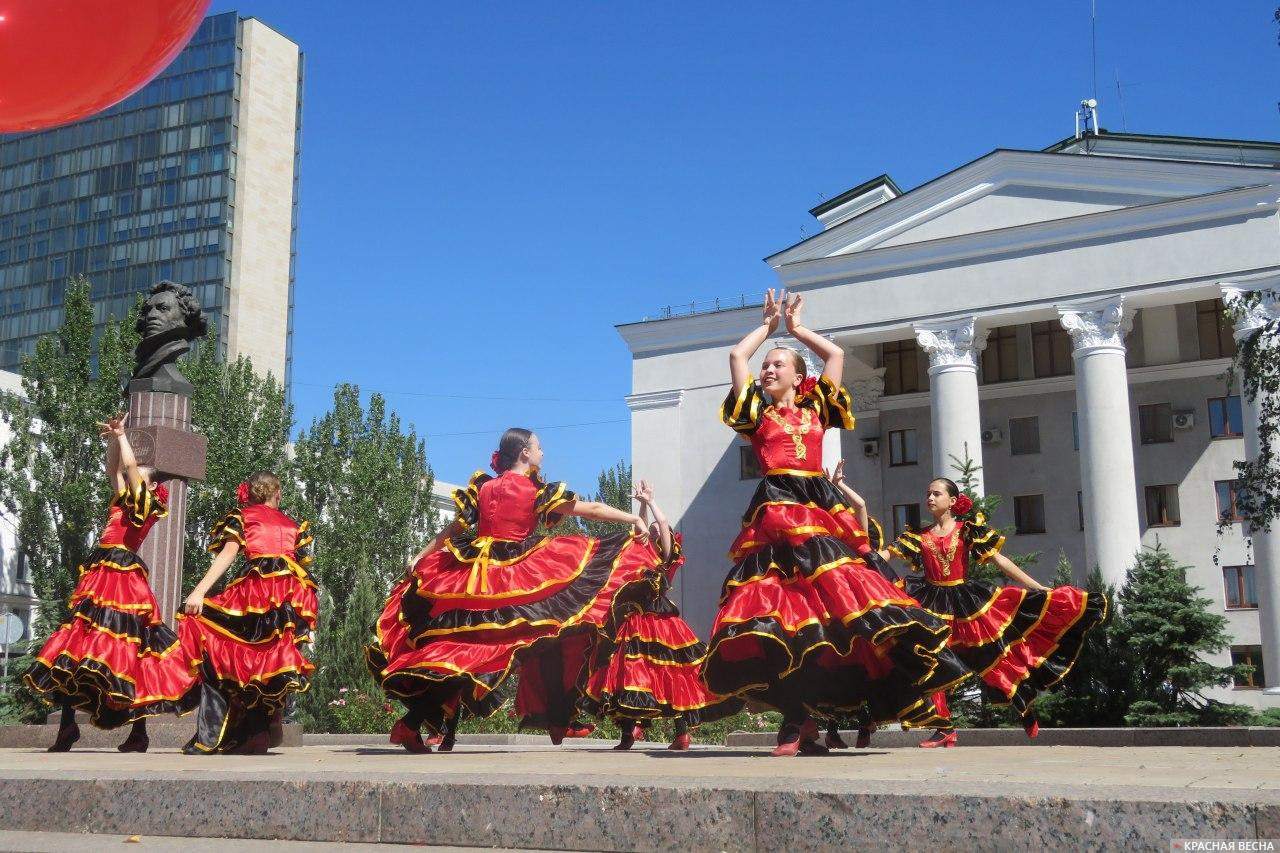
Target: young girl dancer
{"points": [[648, 668], [1020, 640], [806, 624], [491, 587], [246, 641], [114, 657]]}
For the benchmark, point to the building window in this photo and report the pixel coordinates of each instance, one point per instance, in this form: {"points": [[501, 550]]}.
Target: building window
{"points": [[1155, 423], [902, 447], [1225, 417], [1080, 508], [22, 568], [901, 367], [1214, 330], [1051, 348], [1000, 358], [748, 464], [1028, 513], [1162, 506], [1238, 583], [1075, 431], [1227, 493], [1249, 656], [905, 517], [1024, 436]]}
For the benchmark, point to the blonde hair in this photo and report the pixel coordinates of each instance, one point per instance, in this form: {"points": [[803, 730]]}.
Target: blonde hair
{"points": [[263, 485]]}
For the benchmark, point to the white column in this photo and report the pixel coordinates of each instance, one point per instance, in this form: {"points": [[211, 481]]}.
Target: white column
{"points": [[1111, 533], [953, 347], [1266, 545]]}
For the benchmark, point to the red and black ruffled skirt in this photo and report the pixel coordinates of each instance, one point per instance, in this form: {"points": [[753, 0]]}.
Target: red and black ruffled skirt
{"points": [[810, 622], [468, 613], [247, 640], [113, 657], [651, 666], [1018, 641]]}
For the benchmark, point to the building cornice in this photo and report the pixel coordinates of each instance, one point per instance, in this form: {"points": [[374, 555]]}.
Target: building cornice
{"points": [[1250, 201], [655, 400], [695, 331]]}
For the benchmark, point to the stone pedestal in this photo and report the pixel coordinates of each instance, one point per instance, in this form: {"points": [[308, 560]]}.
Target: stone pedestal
{"points": [[160, 432], [1111, 532]]}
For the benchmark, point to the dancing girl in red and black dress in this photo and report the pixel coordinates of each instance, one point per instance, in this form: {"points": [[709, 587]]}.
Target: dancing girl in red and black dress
{"points": [[809, 623], [114, 657], [1020, 640], [245, 642], [491, 592], [646, 664]]}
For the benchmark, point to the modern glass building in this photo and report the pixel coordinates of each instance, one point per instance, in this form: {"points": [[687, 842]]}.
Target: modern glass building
{"points": [[193, 179]]}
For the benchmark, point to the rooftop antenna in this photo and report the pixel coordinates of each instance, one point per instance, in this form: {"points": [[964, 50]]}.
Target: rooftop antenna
{"points": [[1124, 119], [1087, 118]]}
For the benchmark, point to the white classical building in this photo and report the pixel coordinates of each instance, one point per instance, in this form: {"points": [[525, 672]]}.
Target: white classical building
{"points": [[1057, 314]]}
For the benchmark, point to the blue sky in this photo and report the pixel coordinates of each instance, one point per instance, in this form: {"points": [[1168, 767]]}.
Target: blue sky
{"points": [[488, 188]]}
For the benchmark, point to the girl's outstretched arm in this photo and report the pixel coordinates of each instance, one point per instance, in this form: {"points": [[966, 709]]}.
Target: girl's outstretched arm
{"points": [[597, 511], [1011, 571], [195, 601], [855, 500], [436, 544]]}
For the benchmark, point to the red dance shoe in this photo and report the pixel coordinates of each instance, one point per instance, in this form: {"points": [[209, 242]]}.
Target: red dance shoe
{"points": [[132, 744], [939, 738], [577, 729], [433, 740], [864, 736], [789, 738], [1031, 726], [834, 741], [409, 738], [67, 735], [681, 743]]}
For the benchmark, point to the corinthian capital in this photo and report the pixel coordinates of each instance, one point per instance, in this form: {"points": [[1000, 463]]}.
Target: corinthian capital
{"points": [[951, 343], [1251, 314], [1098, 323]]}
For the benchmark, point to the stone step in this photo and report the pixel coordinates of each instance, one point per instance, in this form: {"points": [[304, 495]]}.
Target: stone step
{"points": [[164, 732], [1190, 736]]}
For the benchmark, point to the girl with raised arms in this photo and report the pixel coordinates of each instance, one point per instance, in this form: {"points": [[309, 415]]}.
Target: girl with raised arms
{"points": [[808, 623]]}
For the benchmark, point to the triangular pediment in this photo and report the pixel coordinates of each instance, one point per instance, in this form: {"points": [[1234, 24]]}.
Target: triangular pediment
{"points": [[1015, 189]]}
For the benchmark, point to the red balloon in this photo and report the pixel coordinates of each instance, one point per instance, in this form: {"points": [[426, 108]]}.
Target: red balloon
{"points": [[62, 60]]}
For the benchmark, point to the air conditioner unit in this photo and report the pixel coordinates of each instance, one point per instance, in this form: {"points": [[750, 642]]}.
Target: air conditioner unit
{"points": [[1184, 420], [870, 447], [992, 436]]}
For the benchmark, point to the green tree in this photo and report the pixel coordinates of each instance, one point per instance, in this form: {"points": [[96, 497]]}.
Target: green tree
{"points": [[52, 471], [365, 484], [613, 487], [1165, 625], [247, 420], [1256, 366]]}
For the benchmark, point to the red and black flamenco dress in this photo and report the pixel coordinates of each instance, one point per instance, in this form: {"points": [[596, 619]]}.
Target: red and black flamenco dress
{"points": [[497, 594], [809, 622], [246, 643], [114, 657], [647, 663], [1018, 641]]}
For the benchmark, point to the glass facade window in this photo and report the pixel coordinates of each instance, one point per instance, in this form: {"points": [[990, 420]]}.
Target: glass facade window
{"points": [[1162, 506], [1226, 492], [1000, 358], [1155, 423], [1024, 436], [1214, 330], [1250, 656], [1028, 513], [119, 196], [1051, 349], [1225, 417], [902, 447], [905, 517], [1239, 587], [901, 367]]}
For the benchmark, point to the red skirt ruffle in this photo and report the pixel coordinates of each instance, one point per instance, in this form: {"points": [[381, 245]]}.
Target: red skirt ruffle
{"points": [[653, 671], [1019, 641], [247, 638], [113, 657], [464, 621]]}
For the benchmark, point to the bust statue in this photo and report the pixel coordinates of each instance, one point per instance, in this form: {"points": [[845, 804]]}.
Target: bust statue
{"points": [[170, 320]]}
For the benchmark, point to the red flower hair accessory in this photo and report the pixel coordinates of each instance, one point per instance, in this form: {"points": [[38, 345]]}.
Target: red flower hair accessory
{"points": [[962, 506], [493, 463], [162, 494], [806, 386], [242, 494]]}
